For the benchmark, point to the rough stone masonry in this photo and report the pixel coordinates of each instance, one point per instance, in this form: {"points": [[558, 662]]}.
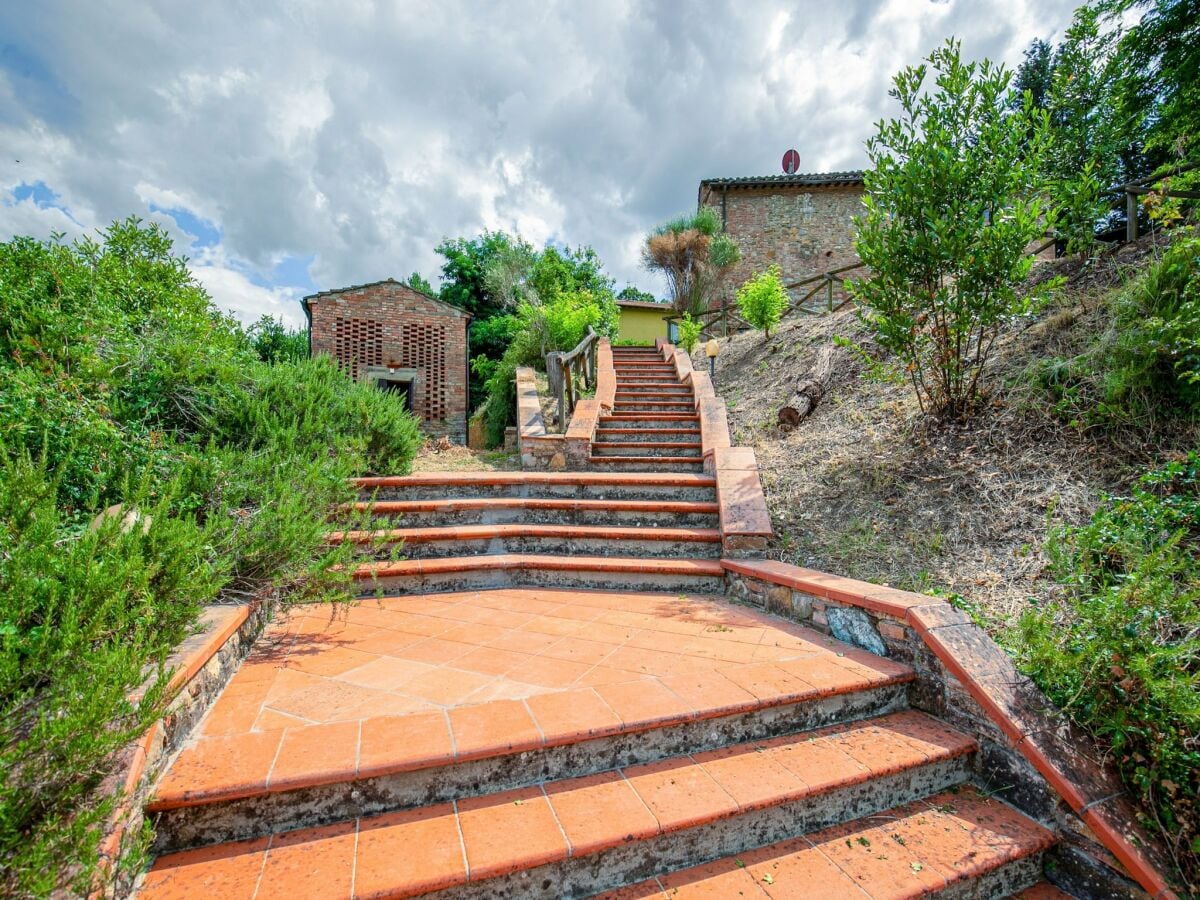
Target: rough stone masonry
{"points": [[802, 223]]}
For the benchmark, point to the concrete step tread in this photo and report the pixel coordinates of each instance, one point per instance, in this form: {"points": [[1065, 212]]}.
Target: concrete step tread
{"points": [[645, 460], [647, 445], [466, 479], [513, 530], [399, 507], [665, 431], [471, 840], [644, 417], [545, 561], [913, 850]]}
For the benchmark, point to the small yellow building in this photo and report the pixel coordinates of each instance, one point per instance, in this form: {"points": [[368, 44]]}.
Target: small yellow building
{"points": [[641, 321]]}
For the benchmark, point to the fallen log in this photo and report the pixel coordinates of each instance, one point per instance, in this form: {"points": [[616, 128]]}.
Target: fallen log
{"points": [[808, 393]]}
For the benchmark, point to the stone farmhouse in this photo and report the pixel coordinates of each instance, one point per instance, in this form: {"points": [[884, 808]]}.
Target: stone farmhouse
{"points": [[802, 223]]}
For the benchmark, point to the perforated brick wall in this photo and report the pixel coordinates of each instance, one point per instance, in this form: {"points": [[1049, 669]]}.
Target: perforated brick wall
{"points": [[389, 324]]}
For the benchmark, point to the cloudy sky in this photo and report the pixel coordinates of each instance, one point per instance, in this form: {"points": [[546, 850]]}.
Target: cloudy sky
{"points": [[306, 144]]}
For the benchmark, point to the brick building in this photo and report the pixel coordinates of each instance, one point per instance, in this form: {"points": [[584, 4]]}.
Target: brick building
{"points": [[401, 340], [802, 223]]}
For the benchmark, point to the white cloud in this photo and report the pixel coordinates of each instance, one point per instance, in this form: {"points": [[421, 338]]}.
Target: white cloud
{"points": [[362, 134]]}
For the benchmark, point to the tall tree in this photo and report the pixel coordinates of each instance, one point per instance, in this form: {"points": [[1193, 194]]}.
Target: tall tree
{"points": [[695, 255]]}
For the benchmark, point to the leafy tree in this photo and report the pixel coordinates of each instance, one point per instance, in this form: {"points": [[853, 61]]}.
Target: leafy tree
{"points": [[695, 255], [274, 342], [1034, 75], [629, 292], [762, 300], [418, 282], [1087, 133], [951, 204], [1160, 61], [464, 273]]}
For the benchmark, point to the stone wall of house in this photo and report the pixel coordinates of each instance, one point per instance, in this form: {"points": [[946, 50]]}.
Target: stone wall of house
{"points": [[804, 230], [389, 324]]}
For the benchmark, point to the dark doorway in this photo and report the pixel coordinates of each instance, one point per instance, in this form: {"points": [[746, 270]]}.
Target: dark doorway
{"points": [[403, 387]]}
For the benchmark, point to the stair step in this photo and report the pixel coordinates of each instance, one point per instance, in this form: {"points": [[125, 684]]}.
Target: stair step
{"points": [[644, 434], [534, 569], [646, 448], [706, 804], [662, 461], [586, 540], [918, 849], [550, 510], [682, 395], [581, 485], [645, 419]]}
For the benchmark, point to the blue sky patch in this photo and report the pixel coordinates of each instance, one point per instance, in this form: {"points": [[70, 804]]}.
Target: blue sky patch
{"points": [[203, 232]]}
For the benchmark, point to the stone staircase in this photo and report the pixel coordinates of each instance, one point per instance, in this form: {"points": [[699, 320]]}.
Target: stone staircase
{"points": [[542, 692], [653, 425]]}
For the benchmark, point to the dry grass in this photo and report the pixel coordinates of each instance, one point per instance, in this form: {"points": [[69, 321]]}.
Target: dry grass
{"points": [[866, 488], [439, 455]]}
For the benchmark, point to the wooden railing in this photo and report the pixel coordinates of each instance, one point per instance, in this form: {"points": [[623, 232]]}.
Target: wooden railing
{"points": [[1145, 186], [570, 374]]}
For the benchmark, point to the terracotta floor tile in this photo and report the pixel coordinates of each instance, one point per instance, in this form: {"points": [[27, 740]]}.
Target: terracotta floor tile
{"points": [[645, 662], [554, 625], [236, 710], [643, 703], [233, 765], [680, 793], [768, 682], [500, 727], [377, 704], [401, 743], [476, 634], [605, 675], [408, 853], [751, 776], [522, 641], [798, 869], [549, 672], [720, 880], [388, 642], [309, 862], [580, 650], [229, 871], [509, 831], [270, 720], [434, 651], [876, 747], [818, 763], [427, 626], [445, 686], [880, 865], [573, 715], [386, 673], [643, 890], [600, 811], [327, 661], [933, 738], [332, 701], [826, 673], [490, 662], [316, 754], [504, 688], [710, 691]]}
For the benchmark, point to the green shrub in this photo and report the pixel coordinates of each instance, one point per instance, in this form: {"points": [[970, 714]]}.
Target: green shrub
{"points": [[951, 202], [762, 300], [689, 332], [120, 383], [1156, 354], [1120, 651]]}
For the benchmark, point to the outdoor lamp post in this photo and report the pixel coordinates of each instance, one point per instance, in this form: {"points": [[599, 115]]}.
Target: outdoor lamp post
{"points": [[712, 350]]}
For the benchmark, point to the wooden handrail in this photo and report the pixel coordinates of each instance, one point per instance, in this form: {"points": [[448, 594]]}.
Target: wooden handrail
{"points": [[570, 372]]}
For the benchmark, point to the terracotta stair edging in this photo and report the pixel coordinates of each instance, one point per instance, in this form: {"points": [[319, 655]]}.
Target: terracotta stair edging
{"points": [[1008, 699], [200, 667]]}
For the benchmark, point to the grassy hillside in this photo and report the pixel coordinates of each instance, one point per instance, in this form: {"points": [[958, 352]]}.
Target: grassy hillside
{"points": [[1065, 516]]}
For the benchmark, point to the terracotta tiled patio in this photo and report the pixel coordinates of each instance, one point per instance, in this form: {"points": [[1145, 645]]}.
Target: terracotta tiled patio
{"points": [[329, 691]]}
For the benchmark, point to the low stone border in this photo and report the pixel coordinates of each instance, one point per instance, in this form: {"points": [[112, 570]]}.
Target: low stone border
{"points": [[1029, 754], [202, 665]]}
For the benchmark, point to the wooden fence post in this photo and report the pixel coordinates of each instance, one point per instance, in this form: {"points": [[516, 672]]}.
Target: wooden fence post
{"points": [[1131, 222]]}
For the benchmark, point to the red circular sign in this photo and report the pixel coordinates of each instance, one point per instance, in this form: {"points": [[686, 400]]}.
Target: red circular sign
{"points": [[791, 162]]}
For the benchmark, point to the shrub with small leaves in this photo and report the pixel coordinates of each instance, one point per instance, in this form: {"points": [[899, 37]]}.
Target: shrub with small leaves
{"points": [[762, 300], [689, 332]]}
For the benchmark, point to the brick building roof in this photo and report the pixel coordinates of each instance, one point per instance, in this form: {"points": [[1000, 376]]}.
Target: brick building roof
{"points": [[810, 179], [358, 287]]}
